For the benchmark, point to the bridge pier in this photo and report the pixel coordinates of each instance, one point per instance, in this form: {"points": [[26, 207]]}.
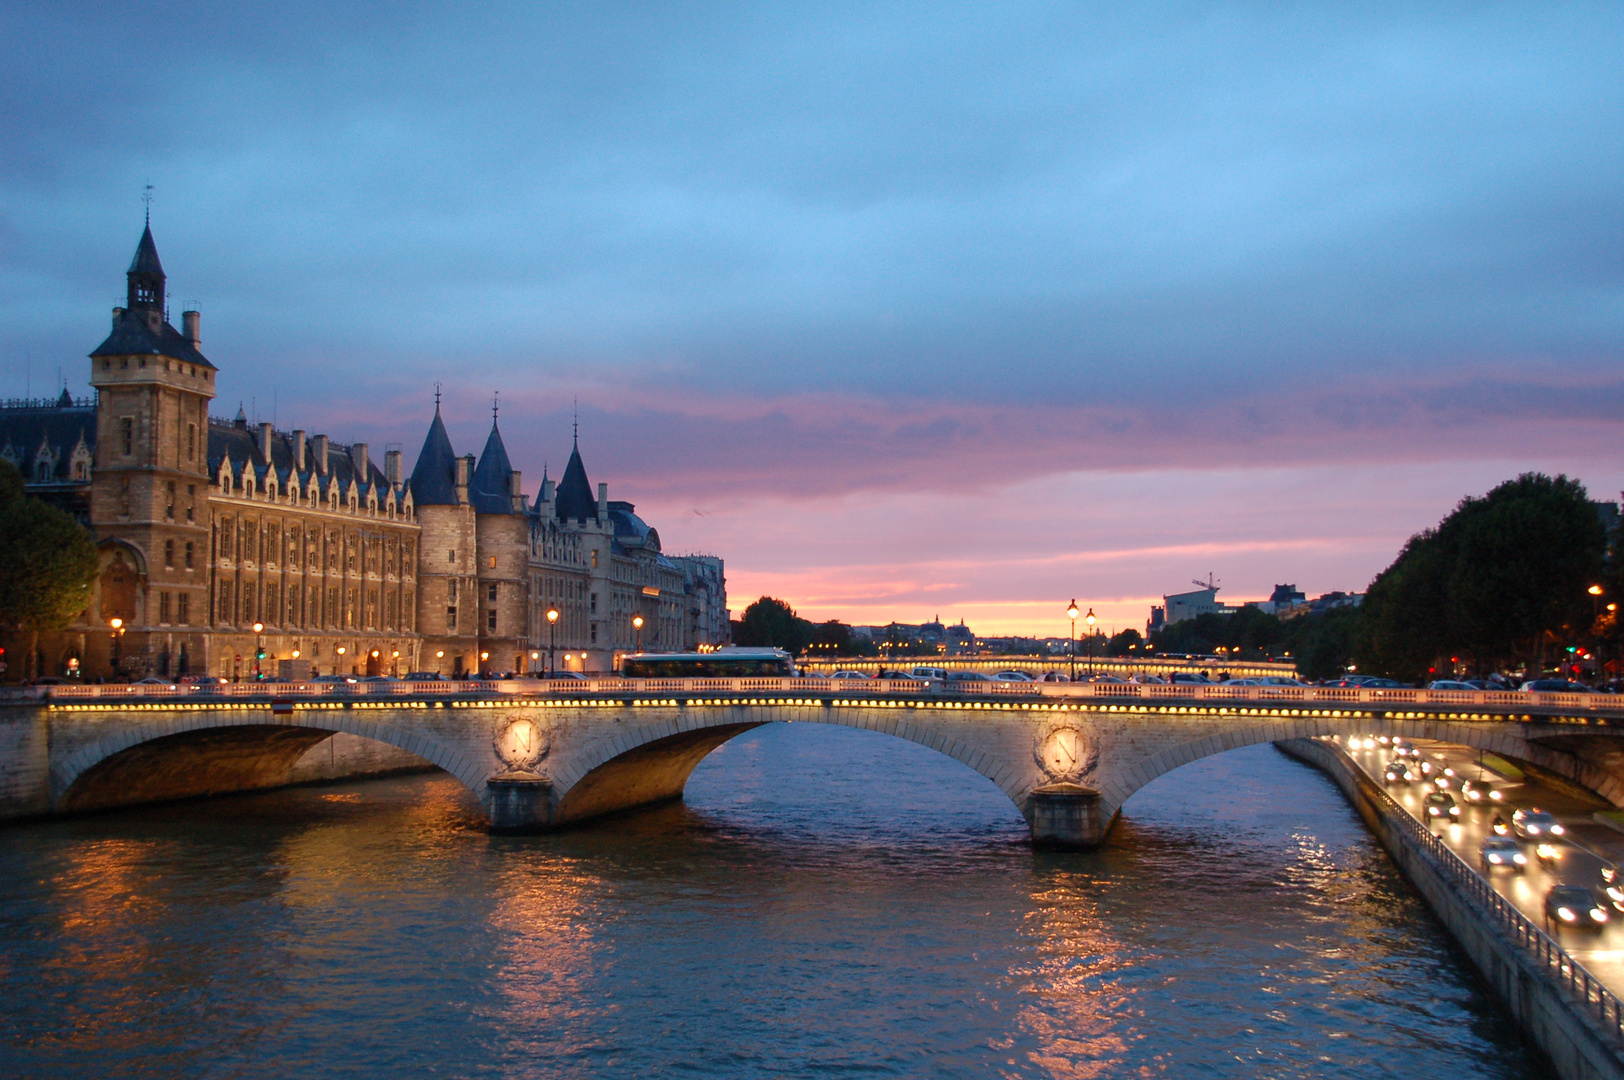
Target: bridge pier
{"points": [[1067, 816], [520, 802]]}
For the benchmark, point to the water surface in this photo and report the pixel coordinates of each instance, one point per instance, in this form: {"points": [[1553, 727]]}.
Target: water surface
{"points": [[826, 902]]}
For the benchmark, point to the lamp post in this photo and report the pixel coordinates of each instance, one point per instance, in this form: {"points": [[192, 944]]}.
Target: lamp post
{"points": [[1595, 617], [552, 624], [116, 632], [1090, 620], [259, 650], [637, 623], [1071, 648]]}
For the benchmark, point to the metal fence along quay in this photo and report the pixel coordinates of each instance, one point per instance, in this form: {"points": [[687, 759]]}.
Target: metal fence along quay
{"points": [[1502, 704], [1555, 960]]}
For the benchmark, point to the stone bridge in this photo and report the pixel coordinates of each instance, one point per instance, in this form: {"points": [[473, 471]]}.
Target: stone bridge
{"points": [[540, 755]]}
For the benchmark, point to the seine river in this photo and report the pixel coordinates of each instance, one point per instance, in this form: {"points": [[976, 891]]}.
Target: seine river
{"points": [[827, 902]]}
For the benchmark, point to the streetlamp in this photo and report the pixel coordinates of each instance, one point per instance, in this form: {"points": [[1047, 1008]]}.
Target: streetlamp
{"points": [[1071, 613], [259, 650], [534, 656], [552, 624], [117, 632], [1090, 620], [637, 622]]}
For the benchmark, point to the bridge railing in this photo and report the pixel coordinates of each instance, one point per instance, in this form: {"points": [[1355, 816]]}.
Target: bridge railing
{"points": [[1603, 1004], [1105, 692]]}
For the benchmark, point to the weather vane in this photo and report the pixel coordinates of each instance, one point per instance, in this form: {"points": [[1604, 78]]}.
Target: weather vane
{"points": [[494, 400], [436, 397], [146, 197]]}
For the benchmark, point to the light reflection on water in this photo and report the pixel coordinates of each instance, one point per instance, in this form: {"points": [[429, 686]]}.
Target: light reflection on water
{"points": [[825, 902]]}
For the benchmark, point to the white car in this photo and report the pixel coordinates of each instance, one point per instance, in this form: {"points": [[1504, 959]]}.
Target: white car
{"points": [[1014, 676], [849, 675]]}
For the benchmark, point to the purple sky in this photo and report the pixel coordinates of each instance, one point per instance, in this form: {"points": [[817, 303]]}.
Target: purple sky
{"points": [[904, 310]]}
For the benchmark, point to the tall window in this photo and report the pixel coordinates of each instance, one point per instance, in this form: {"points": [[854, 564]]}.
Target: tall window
{"points": [[163, 608], [191, 442], [247, 602], [127, 433], [184, 604], [189, 550], [169, 554], [169, 502]]}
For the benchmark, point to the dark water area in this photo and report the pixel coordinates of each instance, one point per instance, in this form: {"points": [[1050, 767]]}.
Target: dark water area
{"points": [[826, 902]]}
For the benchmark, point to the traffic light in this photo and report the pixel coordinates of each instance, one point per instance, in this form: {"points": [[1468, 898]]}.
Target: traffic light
{"points": [[260, 655]]}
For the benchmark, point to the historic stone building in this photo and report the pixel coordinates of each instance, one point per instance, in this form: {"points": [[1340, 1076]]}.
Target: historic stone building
{"points": [[220, 541]]}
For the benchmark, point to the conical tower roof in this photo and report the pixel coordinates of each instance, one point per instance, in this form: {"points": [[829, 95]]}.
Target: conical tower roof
{"points": [[489, 488], [434, 478], [575, 498], [146, 256]]}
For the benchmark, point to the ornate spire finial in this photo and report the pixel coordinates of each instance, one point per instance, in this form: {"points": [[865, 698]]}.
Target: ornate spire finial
{"points": [[495, 398], [576, 426], [146, 197], [436, 399]]}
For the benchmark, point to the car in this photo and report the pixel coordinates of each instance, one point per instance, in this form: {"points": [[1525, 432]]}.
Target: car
{"points": [[1574, 905], [348, 680], [1533, 823], [1053, 676], [848, 675], [1104, 678], [1555, 686], [970, 677], [1449, 684], [1612, 884], [1440, 804], [1349, 682], [1148, 680], [1014, 676], [1502, 851], [1194, 677], [929, 674], [152, 680], [1478, 791], [380, 678], [423, 676], [1444, 778], [574, 676], [1397, 772]]}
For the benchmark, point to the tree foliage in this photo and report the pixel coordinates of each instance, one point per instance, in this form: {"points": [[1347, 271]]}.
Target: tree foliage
{"points": [[47, 565], [1490, 585], [770, 622]]}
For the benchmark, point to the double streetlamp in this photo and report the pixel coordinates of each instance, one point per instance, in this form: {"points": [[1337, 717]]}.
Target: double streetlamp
{"points": [[552, 623]]}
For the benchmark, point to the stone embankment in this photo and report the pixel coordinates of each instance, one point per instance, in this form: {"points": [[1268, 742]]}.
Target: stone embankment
{"points": [[1566, 1012]]}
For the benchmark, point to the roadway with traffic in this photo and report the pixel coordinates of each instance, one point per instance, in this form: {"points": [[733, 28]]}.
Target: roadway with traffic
{"points": [[1578, 857]]}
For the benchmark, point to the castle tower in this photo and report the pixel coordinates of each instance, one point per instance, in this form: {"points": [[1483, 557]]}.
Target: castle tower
{"points": [[502, 530], [448, 602], [150, 478]]}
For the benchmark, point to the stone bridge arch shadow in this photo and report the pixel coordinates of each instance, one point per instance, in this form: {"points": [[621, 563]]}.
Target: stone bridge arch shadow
{"points": [[202, 755], [652, 763], [1516, 742]]}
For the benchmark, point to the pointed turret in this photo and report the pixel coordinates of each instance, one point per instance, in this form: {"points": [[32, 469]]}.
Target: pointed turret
{"points": [[575, 498], [434, 479], [491, 488], [145, 276]]}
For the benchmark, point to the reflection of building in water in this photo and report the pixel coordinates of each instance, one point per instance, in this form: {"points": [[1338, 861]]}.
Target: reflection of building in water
{"points": [[220, 540]]}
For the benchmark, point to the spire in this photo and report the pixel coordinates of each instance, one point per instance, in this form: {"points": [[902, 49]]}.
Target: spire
{"points": [[575, 498], [434, 478], [489, 489], [145, 276]]}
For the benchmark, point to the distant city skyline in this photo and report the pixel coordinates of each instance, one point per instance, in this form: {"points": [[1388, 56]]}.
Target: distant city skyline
{"points": [[900, 311]]}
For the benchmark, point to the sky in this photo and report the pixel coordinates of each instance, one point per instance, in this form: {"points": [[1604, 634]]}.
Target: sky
{"points": [[905, 310]]}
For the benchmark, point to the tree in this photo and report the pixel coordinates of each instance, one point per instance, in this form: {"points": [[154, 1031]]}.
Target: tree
{"points": [[11, 483], [1491, 585], [47, 569], [770, 622], [1127, 642]]}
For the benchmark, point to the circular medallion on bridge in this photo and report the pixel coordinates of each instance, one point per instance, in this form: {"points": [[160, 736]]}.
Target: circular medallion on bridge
{"points": [[1067, 753], [520, 742]]}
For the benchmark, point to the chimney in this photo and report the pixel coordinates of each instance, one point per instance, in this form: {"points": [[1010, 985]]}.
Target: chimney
{"points": [[465, 469], [358, 458], [298, 450], [516, 489], [319, 446], [189, 320], [265, 443], [391, 468], [546, 491], [118, 313]]}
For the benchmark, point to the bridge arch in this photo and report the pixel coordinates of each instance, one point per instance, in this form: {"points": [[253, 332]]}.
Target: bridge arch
{"points": [[652, 762], [1506, 740], [204, 753]]}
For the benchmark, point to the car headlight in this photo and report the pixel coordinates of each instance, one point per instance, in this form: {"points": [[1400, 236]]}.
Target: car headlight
{"points": [[1598, 914], [1494, 795], [1557, 830], [1454, 811], [1565, 914], [1520, 859], [1533, 830], [1615, 893], [1495, 859]]}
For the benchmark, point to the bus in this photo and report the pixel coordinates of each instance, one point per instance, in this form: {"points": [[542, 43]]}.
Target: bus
{"points": [[722, 664]]}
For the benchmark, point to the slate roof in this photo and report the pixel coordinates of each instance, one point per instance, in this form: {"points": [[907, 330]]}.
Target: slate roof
{"points": [[631, 530], [132, 336], [434, 477], [22, 429], [241, 445], [488, 488], [574, 498], [146, 256]]}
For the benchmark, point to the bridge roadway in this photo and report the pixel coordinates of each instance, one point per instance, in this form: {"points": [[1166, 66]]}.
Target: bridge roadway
{"points": [[540, 754]]}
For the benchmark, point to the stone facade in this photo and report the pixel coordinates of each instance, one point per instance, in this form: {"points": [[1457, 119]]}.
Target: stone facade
{"points": [[208, 527]]}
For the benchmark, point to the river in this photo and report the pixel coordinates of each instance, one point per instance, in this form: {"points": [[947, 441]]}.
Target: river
{"points": [[826, 902]]}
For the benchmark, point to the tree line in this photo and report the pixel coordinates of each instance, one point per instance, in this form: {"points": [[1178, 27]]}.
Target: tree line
{"points": [[47, 565]]}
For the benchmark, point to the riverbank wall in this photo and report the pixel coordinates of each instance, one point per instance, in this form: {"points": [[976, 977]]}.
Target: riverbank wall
{"points": [[1563, 1010], [25, 762]]}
